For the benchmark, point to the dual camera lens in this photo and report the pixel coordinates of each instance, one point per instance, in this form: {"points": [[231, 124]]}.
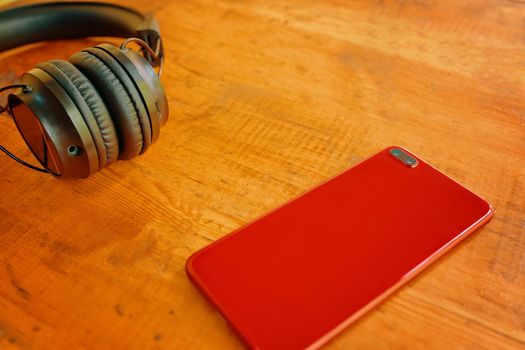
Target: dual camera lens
{"points": [[404, 157]]}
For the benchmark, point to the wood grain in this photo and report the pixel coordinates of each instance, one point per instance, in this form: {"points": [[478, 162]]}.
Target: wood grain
{"points": [[268, 99]]}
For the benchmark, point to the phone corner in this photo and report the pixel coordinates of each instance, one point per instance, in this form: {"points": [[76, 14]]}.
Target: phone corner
{"points": [[189, 266], [489, 210]]}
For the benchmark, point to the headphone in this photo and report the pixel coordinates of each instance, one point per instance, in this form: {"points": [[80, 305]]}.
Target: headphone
{"points": [[104, 103]]}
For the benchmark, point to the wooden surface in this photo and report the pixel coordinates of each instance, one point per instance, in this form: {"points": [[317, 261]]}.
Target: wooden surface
{"points": [[268, 99]]}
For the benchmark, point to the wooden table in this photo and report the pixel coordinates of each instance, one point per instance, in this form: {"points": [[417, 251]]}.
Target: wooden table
{"points": [[268, 99]]}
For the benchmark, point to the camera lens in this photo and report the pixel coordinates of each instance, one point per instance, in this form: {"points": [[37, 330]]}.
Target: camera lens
{"points": [[396, 152]]}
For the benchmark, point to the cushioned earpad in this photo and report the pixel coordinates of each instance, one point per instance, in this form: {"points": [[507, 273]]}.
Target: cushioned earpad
{"points": [[88, 102], [131, 89], [121, 97], [95, 102]]}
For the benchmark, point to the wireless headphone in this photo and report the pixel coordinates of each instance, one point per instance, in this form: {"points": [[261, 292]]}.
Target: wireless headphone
{"points": [[104, 103]]}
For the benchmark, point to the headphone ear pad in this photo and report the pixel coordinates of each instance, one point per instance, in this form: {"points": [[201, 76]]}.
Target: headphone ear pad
{"points": [[121, 98], [90, 105]]}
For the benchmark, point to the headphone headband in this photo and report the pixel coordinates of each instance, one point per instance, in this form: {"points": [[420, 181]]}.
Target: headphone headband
{"points": [[70, 20]]}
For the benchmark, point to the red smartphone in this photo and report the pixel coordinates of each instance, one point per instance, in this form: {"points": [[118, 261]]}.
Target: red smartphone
{"points": [[300, 274]]}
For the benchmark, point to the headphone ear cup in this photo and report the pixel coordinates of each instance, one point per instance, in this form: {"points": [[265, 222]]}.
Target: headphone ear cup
{"points": [[130, 118], [90, 105]]}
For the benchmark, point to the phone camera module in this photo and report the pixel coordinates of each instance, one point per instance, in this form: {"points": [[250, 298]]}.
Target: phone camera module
{"points": [[404, 157]]}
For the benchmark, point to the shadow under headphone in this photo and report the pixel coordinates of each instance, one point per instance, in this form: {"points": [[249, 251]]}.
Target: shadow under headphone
{"points": [[105, 103]]}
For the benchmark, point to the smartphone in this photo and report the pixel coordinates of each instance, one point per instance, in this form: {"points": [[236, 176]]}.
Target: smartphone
{"points": [[299, 275]]}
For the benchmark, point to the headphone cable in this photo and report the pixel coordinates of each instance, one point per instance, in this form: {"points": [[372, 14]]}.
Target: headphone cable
{"points": [[23, 162]]}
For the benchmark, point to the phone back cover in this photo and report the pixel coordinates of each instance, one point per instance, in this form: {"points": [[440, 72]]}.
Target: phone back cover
{"points": [[293, 278]]}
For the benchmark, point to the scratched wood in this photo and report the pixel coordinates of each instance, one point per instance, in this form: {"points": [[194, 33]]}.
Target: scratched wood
{"points": [[268, 99]]}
